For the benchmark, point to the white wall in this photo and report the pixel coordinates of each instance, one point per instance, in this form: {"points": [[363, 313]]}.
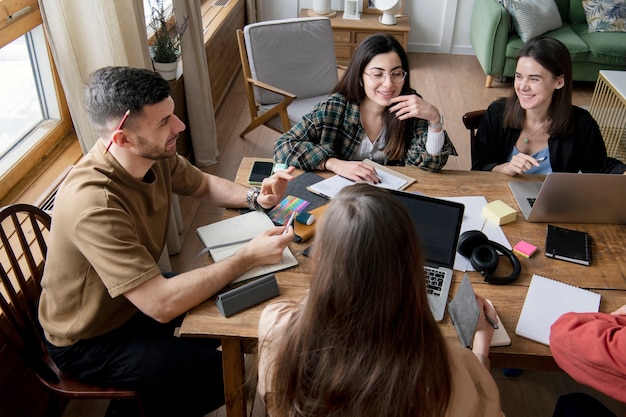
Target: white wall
{"points": [[440, 26]]}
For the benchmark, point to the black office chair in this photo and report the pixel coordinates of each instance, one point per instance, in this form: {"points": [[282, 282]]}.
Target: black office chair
{"points": [[471, 120]]}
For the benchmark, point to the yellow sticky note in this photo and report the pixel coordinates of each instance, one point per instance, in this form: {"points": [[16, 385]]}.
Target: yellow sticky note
{"points": [[499, 212]]}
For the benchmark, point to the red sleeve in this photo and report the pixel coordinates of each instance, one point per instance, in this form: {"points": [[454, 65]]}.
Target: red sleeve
{"points": [[591, 348]]}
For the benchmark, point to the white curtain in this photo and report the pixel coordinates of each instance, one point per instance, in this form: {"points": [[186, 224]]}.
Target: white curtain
{"points": [[89, 34], [251, 11], [200, 114]]}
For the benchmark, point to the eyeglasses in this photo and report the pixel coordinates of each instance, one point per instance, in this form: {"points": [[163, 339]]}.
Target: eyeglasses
{"points": [[397, 76]]}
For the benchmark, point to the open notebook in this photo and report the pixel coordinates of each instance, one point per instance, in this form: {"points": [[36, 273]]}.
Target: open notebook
{"points": [[224, 238], [389, 179]]}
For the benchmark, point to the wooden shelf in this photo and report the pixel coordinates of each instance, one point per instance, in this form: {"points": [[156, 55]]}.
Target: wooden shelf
{"points": [[348, 33]]}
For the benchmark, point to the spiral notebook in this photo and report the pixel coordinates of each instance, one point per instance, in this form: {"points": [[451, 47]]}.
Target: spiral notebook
{"points": [[546, 301], [568, 245]]}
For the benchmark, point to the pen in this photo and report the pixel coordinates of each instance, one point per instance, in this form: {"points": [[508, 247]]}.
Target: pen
{"points": [[540, 160], [293, 214], [491, 322], [222, 245]]}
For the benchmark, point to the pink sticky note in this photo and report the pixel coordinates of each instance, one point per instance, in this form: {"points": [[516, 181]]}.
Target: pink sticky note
{"points": [[524, 248]]}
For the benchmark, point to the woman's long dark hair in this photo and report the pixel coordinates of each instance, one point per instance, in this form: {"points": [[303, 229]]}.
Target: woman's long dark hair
{"points": [[554, 57], [351, 86], [365, 343]]}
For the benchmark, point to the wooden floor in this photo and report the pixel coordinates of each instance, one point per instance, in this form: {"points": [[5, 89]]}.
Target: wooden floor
{"points": [[454, 84]]}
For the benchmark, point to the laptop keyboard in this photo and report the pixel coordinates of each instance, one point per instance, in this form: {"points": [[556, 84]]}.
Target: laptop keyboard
{"points": [[531, 201], [434, 280]]}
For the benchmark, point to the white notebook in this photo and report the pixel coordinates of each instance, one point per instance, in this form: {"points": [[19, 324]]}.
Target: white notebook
{"points": [[546, 301], [224, 238], [389, 178]]}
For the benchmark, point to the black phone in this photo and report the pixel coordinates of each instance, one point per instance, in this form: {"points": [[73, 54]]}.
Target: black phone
{"points": [[259, 171]]}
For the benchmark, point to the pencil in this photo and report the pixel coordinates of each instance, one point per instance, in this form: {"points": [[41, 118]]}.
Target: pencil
{"points": [[119, 126]]}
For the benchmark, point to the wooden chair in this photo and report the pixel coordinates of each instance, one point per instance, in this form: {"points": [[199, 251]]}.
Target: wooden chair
{"points": [[288, 66], [23, 232], [471, 120]]}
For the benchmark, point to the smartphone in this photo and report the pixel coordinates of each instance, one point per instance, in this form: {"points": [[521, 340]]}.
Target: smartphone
{"points": [[259, 171]]}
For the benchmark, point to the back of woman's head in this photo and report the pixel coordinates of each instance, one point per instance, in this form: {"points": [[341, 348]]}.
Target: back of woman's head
{"points": [[350, 84], [365, 342], [369, 259]]}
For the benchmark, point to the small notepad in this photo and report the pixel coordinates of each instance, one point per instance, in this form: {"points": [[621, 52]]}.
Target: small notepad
{"points": [[546, 301], [568, 245]]}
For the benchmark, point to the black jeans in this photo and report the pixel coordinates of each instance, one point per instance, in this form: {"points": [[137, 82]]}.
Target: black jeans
{"points": [[176, 377]]}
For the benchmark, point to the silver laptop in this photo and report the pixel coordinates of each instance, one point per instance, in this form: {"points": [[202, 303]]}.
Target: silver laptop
{"points": [[438, 224], [573, 198]]}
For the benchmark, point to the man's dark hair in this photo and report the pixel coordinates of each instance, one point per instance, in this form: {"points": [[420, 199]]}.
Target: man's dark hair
{"points": [[111, 91]]}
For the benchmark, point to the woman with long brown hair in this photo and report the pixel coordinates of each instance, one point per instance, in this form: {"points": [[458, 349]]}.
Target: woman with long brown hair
{"points": [[364, 341], [372, 113]]}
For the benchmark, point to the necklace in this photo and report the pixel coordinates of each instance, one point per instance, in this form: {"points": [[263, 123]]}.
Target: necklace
{"points": [[527, 138]]}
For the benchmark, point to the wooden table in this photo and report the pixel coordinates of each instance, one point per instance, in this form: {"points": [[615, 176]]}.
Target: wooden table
{"points": [[606, 275]]}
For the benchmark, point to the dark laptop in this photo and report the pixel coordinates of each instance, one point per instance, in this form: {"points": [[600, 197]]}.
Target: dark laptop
{"points": [[438, 224]]}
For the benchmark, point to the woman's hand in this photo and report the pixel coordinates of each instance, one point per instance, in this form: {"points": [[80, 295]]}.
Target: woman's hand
{"points": [[620, 311], [484, 331], [519, 164], [414, 106], [353, 170]]}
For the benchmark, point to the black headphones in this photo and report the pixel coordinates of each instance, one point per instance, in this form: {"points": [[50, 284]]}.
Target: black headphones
{"points": [[483, 256]]}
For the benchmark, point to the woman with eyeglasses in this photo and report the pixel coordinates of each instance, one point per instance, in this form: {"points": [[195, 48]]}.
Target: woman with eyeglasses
{"points": [[372, 113]]}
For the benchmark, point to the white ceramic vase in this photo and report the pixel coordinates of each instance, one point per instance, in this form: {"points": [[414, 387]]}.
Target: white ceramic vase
{"points": [[168, 70], [321, 6]]}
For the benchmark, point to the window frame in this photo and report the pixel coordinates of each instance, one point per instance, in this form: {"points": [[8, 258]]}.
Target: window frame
{"points": [[48, 133]]}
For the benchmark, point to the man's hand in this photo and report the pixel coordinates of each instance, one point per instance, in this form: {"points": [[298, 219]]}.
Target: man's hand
{"points": [[273, 188], [267, 248]]}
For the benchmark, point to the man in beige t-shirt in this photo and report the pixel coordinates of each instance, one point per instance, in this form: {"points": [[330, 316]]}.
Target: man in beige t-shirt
{"points": [[106, 309]]}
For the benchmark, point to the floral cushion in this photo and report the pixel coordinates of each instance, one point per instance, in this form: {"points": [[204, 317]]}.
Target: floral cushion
{"points": [[533, 18], [605, 15]]}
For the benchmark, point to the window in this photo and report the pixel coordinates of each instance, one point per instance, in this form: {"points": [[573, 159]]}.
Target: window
{"points": [[33, 113], [27, 88]]}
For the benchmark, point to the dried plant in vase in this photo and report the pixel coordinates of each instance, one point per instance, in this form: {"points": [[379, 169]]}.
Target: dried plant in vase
{"points": [[165, 42]]}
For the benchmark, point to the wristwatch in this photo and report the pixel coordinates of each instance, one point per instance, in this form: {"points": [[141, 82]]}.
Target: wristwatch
{"points": [[437, 125], [251, 198]]}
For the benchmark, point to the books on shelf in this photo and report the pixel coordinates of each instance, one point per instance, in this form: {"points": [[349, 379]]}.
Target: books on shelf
{"points": [[390, 179], [546, 301], [222, 239], [568, 245]]}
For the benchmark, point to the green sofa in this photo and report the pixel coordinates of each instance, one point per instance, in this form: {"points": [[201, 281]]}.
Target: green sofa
{"points": [[496, 47]]}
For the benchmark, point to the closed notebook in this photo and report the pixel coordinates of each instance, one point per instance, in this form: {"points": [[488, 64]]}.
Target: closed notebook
{"points": [[568, 245], [546, 301]]}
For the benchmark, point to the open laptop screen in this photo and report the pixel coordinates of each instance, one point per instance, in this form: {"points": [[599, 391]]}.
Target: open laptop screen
{"points": [[437, 223]]}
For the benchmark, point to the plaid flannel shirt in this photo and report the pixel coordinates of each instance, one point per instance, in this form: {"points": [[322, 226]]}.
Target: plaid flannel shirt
{"points": [[333, 129]]}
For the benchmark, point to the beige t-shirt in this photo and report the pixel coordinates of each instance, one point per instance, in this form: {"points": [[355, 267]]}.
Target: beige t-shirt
{"points": [[474, 392], [108, 232]]}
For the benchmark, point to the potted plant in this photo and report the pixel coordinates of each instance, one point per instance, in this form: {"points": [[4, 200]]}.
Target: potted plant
{"points": [[165, 45]]}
